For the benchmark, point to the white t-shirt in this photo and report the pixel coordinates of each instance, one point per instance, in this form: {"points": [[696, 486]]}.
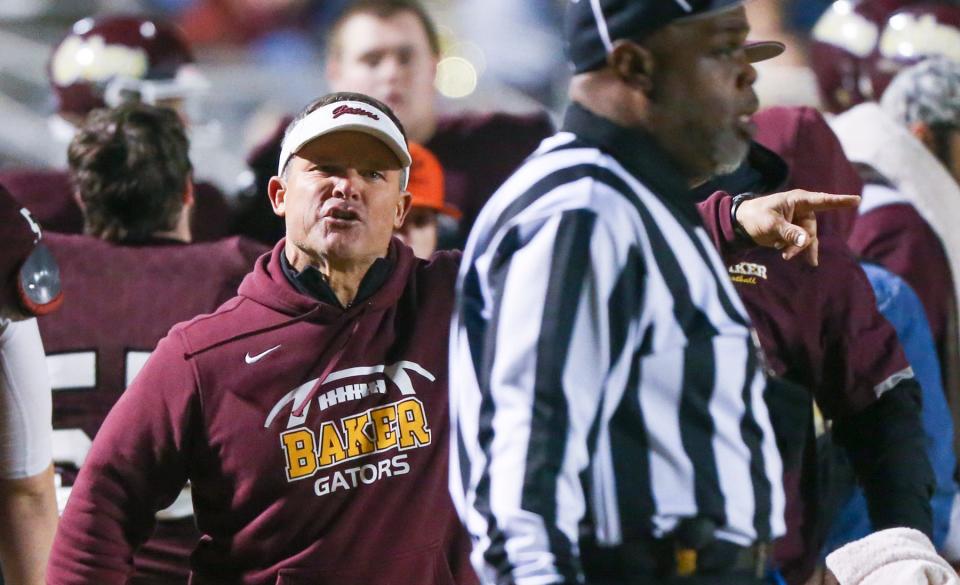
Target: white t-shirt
{"points": [[25, 403]]}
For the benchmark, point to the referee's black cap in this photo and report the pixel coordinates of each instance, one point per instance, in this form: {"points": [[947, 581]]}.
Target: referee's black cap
{"points": [[593, 25]]}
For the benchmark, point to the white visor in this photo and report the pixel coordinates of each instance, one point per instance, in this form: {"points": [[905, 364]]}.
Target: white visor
{"points": [[342, 116]]}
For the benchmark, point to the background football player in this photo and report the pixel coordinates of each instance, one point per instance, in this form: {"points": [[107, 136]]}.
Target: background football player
{"points": [[135, 274]]}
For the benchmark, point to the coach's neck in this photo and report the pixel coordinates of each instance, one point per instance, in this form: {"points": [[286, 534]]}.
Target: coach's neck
{"points": [[343, 275]]}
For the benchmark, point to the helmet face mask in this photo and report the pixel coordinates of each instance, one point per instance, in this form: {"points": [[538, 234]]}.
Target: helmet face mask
{"points": [[175, 93]]}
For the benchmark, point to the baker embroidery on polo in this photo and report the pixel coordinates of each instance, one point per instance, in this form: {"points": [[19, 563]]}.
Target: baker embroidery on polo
{"points": [[747, 272]]}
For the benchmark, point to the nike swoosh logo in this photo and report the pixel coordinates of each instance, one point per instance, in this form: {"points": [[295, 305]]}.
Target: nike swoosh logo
{"points": [[256, 358]]}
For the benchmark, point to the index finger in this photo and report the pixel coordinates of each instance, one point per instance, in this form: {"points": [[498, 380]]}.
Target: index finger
{"points": [[811, 201]]}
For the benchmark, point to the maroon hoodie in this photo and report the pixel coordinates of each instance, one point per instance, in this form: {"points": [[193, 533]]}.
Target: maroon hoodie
{"points": [[354, 490]]}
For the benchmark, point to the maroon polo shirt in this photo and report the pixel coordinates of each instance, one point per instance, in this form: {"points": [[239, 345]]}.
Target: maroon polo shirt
{"points": [[819, 327]]}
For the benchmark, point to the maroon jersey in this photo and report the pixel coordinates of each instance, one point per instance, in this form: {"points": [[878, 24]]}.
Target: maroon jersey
{"points": [[819, 327], [315, 439], [123, 300], [478, 152], [48, 193]]}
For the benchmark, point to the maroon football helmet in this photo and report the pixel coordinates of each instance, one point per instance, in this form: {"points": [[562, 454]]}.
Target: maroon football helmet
{"points": [[845, 39], [103, 60], [859, 45], [911, 34]]}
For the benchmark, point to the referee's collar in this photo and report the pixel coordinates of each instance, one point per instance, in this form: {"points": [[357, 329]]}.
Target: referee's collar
{"points": [[638, 152]]}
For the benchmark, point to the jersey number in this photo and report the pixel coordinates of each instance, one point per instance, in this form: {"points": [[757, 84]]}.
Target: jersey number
{"points": [[78, 371]]}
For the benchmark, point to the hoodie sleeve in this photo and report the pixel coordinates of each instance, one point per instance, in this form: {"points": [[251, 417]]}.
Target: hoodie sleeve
{"points": [[869, 390], [717, 220], [862, 356], [897, 238], [137, 465]]}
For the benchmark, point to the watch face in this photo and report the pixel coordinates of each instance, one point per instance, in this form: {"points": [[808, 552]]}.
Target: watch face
{"points": [[39, 281]]}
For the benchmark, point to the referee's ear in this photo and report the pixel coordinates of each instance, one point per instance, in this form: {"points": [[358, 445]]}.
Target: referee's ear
{"points": [[632, 63]]}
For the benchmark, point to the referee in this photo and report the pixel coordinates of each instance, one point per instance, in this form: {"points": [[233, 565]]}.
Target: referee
{"points": [[608, 416]]}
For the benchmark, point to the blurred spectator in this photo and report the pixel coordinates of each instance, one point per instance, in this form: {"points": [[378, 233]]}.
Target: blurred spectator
{"points": [[104, 62], [132, 277], [389, 49]]}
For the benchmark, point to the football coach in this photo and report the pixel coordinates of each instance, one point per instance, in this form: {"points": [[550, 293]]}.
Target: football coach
{"points": [[309, 412]]}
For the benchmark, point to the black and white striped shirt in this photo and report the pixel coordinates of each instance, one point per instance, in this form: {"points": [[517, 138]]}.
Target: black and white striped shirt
{"points": [[603, 373]]}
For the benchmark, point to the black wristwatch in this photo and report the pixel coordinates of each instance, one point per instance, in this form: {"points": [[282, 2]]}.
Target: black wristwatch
{"points": [[737, 228]]}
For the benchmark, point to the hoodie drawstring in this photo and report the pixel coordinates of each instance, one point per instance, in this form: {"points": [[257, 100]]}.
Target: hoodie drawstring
{"points": [[331, 364]]}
